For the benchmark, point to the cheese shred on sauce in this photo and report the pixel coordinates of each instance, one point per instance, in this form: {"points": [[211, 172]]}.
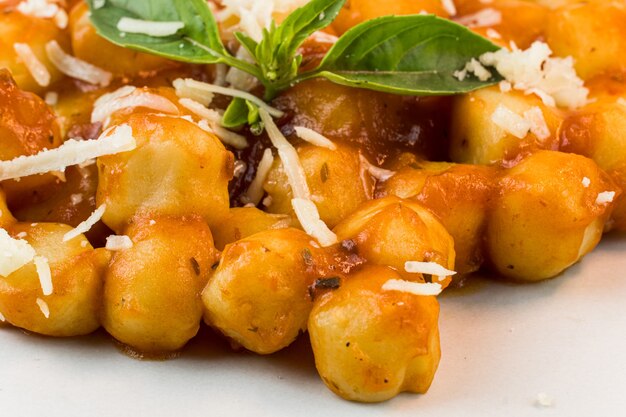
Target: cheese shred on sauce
{"points": [[73, 152], [416, 288], [85, 226]]}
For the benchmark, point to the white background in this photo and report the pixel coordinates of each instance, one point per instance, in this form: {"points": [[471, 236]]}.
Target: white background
{"points": [[503, 344]]}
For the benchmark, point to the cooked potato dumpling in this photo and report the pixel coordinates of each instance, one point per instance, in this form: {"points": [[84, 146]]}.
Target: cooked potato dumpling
{"points": [[330, 174], [77, 271], [16, 27], [246, 221], [259, 294], [391, 231], [152, 290], [177, 169], [476, 139], [544, 218], [459, 195], [371, 344], [593, 33]]}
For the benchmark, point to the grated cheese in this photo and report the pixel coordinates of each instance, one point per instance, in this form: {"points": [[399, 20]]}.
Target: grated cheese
{"points": [[232, 92], [14, 253], [113, 140], [45, 276], [309, 218], [149, 27], [252, 16], [417, 288], [380, 174], [98, 4], [543, 400], [289, 157], [314, 138], [449, 7], [75, 67], [255, 191], [104, 108], [482, 18], [214, 118], [538, 125], [510, 121], [605, 197], [430, 268], [535, 71], [43, 306], [2, 318], [38, 8], [35, 67], [586, 182], [86, 225], [51, 98], [183, 91], [475, 67], [118, 243]]}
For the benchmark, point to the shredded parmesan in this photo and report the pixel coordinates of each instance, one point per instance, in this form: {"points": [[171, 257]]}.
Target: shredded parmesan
{"points": [[380, 174], [114, 140], [510, 121], [417, 288], [86, 225], [43, 306], [212, 88], [2, 318], [14, 253], [214, 118], [255, 191], [98, 4], [45, 276], [51, 98], [289, 157], [314, 138], [43, 9], [252, 16], [183, 91], [538, 125], [37, 69], [605, 197], [449, 7], [482, 18], [309, 218], [75, 67], [118, 243], [430, 268], [475, 67], [535, 71], [106, 106], [148, 27], [586, 182], [543, 400]]}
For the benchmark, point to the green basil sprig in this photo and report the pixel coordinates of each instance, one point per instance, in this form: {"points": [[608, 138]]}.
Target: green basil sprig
{"points": [[409, 55]]}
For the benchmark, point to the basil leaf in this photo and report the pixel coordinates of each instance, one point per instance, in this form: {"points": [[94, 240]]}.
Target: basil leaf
{"points": [[410, 55], [236, 114], [241, 112], [198, 42], [276, 53]]}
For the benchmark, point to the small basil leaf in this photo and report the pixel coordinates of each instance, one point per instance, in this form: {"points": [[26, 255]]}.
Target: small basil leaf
{"points": [[278, 48], [411, 55], [197, 42], [247, 42], [253, 113], [236, 114]]}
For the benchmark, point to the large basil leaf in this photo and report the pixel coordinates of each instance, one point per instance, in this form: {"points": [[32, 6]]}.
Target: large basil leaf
{"points": [[411, 55], [197, 42]]}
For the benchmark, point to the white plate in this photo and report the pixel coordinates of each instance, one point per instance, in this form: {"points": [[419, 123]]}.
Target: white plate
{"points": [[502, 344]]}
